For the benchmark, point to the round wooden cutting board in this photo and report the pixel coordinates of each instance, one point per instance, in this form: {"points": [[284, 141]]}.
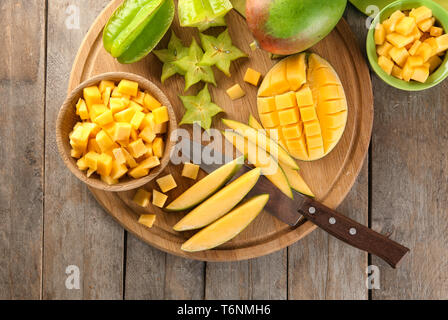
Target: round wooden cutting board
{"points": [[330, 178]]}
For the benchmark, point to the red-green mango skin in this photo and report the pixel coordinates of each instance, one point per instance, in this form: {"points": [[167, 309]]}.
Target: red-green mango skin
{"points": [[286, 27]]}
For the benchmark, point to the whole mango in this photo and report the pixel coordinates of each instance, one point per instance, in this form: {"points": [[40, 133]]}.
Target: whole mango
{"points": [[286, 27]]}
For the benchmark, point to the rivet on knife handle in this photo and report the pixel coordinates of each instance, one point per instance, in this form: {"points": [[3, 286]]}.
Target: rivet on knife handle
{"points": [[353, 233]]}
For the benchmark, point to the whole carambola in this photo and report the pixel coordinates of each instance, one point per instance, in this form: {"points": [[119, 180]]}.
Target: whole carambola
{"points": [[136, 27]]}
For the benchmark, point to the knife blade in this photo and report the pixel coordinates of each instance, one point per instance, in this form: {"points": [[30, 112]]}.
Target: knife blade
{"points": [[291, 211]]}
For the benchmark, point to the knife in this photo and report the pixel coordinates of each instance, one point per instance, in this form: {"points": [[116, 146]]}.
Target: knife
{"points": [[291, 211]]}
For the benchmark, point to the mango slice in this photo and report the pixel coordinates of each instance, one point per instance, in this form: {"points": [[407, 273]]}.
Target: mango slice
{"points": [[205, 187], [227, 227], [220, 203], [311, 117], [261, 159]]}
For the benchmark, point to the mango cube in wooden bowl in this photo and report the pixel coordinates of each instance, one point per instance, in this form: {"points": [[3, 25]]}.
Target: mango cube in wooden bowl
{"points": [[115, 131]]}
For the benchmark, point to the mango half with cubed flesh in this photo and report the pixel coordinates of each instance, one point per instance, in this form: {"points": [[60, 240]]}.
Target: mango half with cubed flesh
{"points": [[290, 26], [303, 99]]}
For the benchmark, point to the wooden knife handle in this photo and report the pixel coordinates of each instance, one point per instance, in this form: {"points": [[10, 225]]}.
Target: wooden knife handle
{"points": [[353, 233]]}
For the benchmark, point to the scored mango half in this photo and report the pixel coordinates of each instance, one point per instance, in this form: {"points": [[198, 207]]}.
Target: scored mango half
{"points": [[303, 99]]}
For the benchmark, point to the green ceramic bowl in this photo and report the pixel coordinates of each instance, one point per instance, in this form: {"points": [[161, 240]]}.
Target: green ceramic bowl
{"points": [[437, 76]]}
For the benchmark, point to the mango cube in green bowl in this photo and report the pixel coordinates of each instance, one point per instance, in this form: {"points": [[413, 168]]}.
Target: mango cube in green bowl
{"points": [[440, 74]]}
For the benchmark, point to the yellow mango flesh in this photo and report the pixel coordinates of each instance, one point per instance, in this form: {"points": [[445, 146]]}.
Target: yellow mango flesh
{"points": [[220, 203], [312, 125], [227, 227]]}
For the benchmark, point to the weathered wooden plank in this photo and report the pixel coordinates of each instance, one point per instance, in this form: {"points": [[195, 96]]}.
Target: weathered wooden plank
{"points": [[320, 266], [22, 90], [409, 189], [260, 278], [153, 274], [77, 231]]}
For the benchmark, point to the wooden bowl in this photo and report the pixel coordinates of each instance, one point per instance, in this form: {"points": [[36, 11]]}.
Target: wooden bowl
{"points": [[67, 118]]}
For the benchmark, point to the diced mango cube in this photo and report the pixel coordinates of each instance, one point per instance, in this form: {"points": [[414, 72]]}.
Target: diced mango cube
{"points": [[104, 118], [118, 170], [252, 76], [80, 137], [425, 51], [96, 110], [397, 72], [104, 141], [161, 115], [405, 26], [190, 170], [434, 63], [92, 95], [81, 109], [414, 48], [91, 159], [298, 147], [130, 161], [426, 24], [137, 107], [385, 64], [82, 164], [380, 34], [421, 13], [104, 84], [117, 104], [296, 71], [407, 72], [150, 102], [292, 132], [106, 96], [125, 115], [384, 49], [421, 74], [148, 121], [288, 116], [312, 128], [104, 164], [147, 220], [160, 128], [76, 153], [119, 156], [122, 131], [142, 197], [148, 134], [399, 55], [269, 120], [109, 180], [333, 106], [416, 34], [93, 146], [435, 31], [137, 148], [415, 61], [314, 142], [335, 120], [442, 43], [304, 97], [308, 114], [158, 147], [316, 152], [399, 40], [140, 98], [137, 119], [266, 105], [138, 172], [166, 183], [128, 87], [158, 198], [150, 163], [235, 92], [286, 100]]}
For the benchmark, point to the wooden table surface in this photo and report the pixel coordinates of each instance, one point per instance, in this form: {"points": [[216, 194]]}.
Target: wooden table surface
{"points": [[49, 220]]}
